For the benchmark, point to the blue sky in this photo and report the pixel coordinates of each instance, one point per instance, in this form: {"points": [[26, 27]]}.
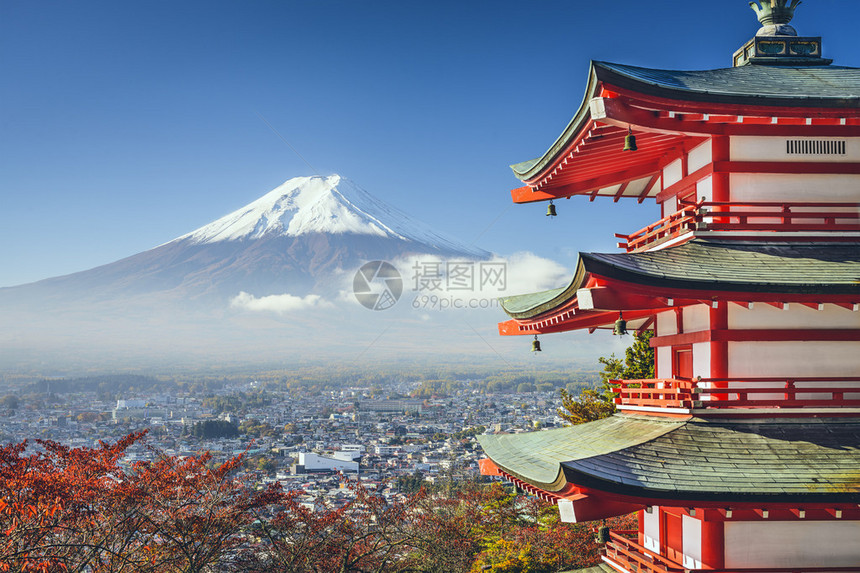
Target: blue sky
{"points": [[126, 124]]}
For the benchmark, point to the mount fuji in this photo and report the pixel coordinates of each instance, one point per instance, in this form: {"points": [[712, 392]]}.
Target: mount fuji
{"points": [[276, 274], [293, 238]]}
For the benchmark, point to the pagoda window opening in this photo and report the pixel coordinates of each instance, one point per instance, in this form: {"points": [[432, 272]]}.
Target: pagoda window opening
{"points": [[815, 147]]}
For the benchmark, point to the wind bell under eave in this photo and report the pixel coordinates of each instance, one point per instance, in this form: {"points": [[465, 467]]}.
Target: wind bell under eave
{"points": [[630, 140], [620, 326]]}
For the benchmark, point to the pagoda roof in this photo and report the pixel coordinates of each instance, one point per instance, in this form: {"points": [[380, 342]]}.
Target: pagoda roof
{"points": [[726, 93], [817, 86], [813, 460], [702, 265]]}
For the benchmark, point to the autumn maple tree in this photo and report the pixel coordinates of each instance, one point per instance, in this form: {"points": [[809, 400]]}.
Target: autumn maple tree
{"points": [[85, 510], [64, 509], [57, 507]]}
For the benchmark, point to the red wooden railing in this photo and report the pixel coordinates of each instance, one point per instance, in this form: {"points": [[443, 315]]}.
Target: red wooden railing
{"points": [[721, 393], [668, 227], [625, 552], [758, 216]]}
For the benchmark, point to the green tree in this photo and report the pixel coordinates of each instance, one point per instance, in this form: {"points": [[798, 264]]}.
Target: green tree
{"points": [[10, 402], [638, 363], [210, 429], [596, 403]]}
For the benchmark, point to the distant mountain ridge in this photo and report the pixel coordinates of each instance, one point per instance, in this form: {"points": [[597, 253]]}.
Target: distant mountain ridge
{"points": [[291, 239], [273, 281]]}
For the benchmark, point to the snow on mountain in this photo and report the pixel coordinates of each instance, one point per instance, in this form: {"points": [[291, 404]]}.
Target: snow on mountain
{"points": [[329, 205]]}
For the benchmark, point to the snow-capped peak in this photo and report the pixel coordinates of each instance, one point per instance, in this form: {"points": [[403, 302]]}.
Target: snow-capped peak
{"points": [[306, 205]]}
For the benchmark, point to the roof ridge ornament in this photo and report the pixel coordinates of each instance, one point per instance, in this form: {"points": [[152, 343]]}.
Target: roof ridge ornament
{"points": [[774, 16], [776, 43]]}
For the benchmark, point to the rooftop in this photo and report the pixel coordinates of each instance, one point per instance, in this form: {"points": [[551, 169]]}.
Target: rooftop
{"points": [[816, 460]]}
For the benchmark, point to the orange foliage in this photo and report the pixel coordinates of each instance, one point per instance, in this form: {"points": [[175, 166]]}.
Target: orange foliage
{"points": [[80, 509]]}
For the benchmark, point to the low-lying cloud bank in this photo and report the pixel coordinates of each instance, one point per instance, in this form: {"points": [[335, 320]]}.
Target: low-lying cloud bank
{"points": [[277, 303]]}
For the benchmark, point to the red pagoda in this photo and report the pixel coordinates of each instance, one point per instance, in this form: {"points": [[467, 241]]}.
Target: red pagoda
{"points": [[743, 453]]}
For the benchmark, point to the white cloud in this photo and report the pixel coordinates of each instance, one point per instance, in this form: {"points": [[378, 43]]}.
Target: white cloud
{"points": [[436, 283], [277, 303], [527, 272]]}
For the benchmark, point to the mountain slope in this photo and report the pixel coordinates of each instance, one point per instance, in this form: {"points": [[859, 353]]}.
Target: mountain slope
{"points": [[293, 239]]}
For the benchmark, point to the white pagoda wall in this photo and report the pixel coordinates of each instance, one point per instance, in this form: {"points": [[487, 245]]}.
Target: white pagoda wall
{"points": [[795, 316], [793, 187], [695, 318], [806, 359], [692, 542], [762, 359], [764, 148], [651, 529], [792, 544], [697, 158], [802, 359], [801, 187]]}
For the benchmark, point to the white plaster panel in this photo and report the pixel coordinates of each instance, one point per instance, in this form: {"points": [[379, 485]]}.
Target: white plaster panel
{"points": [[672, 173], [705, 189], [565, 511], [793, 359], [697, 318], [651, 529], [669, 206], [795, 187], [699, 156], [766, 544], [611, 190], [758, 148], [691, 529], [795, 316], [664, 362], [702, 360], [636, 187], [666, 323]]}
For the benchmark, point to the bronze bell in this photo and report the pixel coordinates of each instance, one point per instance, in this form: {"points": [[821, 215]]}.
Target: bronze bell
{"points": [[630, 141], [536, 344], [620, 326], [550, 210], [602, 534]]}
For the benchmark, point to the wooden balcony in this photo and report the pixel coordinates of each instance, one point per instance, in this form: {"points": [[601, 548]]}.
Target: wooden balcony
{"points": [[703, 394], [623, 551], [752, 218]]}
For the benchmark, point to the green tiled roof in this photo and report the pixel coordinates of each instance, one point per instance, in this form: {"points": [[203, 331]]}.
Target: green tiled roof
{"points": [[780, 268], [535, 457], [802, 86], [814, 268], [527, 305], [818, 86], [813, 460]]}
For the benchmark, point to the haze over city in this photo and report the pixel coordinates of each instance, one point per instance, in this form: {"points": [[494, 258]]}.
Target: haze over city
{"points": [[126, 127]]}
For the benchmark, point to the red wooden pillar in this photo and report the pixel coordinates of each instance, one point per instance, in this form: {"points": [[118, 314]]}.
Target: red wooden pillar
{"points": [[719, 318], [720, 153], [713, 540]]}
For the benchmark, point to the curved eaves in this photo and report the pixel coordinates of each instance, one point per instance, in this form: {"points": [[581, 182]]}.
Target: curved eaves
{"points": [[537, 457], [527, 170], [525, 306]]}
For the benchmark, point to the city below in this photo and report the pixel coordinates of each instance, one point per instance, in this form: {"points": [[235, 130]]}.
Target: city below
{"points": [[302, 432]]}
